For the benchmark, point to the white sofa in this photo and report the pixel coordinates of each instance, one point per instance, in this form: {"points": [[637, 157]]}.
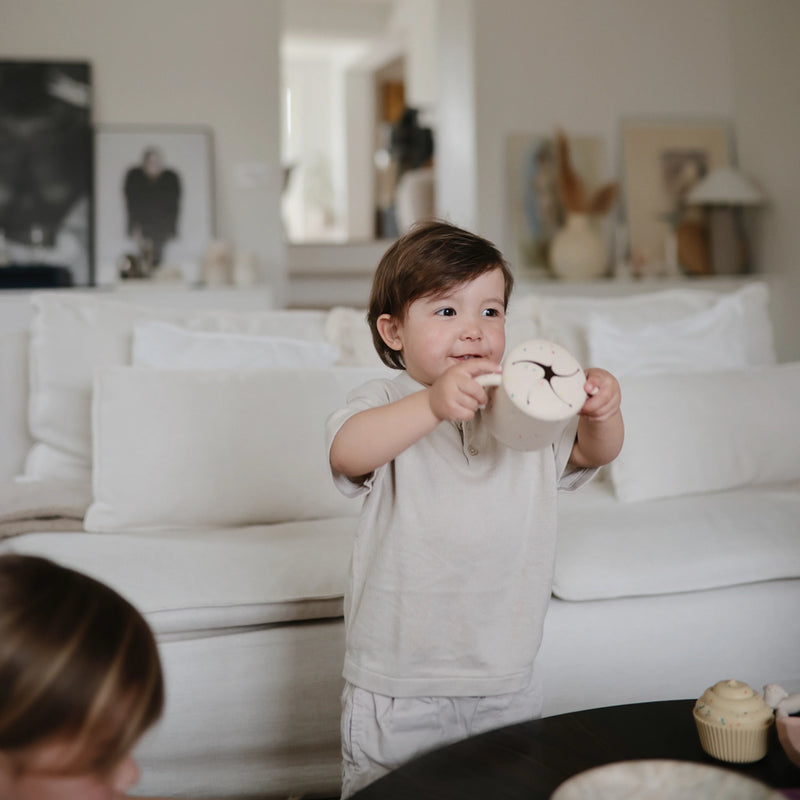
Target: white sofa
{"points": [[178, 456]]}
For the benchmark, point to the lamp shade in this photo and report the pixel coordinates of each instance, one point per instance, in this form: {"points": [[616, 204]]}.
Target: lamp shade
{"points": [[726, 186]]}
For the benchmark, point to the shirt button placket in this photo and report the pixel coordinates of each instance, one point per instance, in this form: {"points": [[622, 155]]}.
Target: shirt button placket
{"points": [[469, 448]]}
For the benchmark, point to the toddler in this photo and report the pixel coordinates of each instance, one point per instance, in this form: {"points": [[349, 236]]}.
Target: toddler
{"points": [[453, 557]]}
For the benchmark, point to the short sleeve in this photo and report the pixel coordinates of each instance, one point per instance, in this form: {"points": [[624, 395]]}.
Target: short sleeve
{"points": [[570, 478], [371, 394]]}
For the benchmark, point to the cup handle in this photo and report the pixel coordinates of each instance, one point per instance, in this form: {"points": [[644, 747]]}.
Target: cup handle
{"points": [[488, 379]]}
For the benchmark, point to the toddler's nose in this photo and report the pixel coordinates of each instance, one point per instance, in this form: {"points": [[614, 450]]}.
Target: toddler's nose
{"points": [[471, 330]]}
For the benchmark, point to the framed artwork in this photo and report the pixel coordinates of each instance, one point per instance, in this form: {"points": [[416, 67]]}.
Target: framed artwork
{"points": [[153, 187], [662, 161], [46, 167], [535, 209]]}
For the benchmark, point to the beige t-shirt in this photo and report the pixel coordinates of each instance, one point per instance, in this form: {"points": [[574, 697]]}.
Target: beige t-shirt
{"points": [[453, 558]]}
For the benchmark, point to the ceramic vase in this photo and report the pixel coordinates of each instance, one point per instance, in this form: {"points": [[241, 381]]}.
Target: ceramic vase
{"points": [[578, 251]]}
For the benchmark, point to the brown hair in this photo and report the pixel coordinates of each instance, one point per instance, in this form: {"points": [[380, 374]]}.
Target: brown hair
{"points": [[77, 662], [428, 260]]}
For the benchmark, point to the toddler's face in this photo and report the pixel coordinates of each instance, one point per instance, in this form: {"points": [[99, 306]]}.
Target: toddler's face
{"points": [[467, 321]]}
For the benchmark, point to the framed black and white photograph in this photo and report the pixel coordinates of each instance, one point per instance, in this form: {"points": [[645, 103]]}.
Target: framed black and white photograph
{"points": [[154, 200], [46, 172]]}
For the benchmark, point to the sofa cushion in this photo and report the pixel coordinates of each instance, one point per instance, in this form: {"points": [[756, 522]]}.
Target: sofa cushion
{"points": [[529, 316], [711, 339], [168, 346], [693, 432], [74, 333], [608, 549], [347, 328], [190, 581], [574, 314], [15, 441], [205, 449]]}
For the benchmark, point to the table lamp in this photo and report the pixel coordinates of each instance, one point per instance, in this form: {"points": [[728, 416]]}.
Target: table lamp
{"points": [[725, 190]]}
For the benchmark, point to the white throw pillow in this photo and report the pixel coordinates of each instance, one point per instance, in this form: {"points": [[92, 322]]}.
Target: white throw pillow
{"points": [[573, 315], [74, 333], [708, 340], [167, 346], [51, 463], [698, 432], [347, 329], [529, 316], [205, 449]]}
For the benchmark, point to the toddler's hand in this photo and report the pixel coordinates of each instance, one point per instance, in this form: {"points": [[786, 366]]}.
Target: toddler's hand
{"points": [[456, 395], [604, 395]]}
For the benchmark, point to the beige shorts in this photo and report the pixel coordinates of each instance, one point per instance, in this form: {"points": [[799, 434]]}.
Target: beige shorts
{"points": [[380, 733]]}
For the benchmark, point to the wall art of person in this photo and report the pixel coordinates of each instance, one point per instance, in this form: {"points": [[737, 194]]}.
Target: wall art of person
{"points": [[152, 201]]}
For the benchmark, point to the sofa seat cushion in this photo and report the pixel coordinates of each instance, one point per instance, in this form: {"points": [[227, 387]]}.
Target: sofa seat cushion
{"points": [[47, 505], [608, 549], [191, 581]]}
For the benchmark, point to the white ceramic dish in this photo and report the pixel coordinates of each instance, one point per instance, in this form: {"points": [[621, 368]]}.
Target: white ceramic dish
{"points": [[662, 779]]}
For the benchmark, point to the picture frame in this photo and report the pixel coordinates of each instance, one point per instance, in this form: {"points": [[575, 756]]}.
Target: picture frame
{"points": [[535, 209], [46, 168], [154, 200], [662, 160]]}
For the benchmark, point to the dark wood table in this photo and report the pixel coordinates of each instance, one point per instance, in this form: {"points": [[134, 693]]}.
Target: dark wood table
{"points": [[531, 759]]}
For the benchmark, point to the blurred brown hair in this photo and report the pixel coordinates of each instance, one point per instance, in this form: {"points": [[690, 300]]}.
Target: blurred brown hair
{"points": [[77, 662], [428, 260]]}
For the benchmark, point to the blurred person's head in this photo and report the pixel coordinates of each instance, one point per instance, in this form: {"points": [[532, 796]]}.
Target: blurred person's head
{"points": [[80, 682], [152, 162]]}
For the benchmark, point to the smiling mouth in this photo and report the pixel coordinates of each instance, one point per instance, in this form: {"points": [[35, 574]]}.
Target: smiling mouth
{"points": [[466, 357]]}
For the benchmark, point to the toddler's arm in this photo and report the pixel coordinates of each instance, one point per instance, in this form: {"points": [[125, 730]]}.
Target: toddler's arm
{"points": [[600, 427], [372, 438]]}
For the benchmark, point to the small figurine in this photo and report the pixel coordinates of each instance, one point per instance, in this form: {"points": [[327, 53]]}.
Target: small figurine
{"points": [[217, 268], [778, 698]]}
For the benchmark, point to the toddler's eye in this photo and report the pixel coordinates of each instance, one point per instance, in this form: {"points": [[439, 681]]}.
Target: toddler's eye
{"points": [[491, 312], [446, 312]]}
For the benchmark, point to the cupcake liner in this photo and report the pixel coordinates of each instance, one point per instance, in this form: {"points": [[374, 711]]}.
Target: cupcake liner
{"points": [[737, 745]]}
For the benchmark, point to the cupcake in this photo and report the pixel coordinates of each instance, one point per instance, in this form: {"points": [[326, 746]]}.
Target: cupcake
{"points": [[733, 722]]}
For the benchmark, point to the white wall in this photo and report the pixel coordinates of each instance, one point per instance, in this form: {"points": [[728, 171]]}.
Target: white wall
{"points": [[585, 65], [418, 23], [198, 62], [766, 69], [360, 145], [312, 208], [456, 157]]}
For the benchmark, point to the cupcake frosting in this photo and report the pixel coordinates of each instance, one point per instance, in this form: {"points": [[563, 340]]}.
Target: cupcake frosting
{"points": [[733, 704]]}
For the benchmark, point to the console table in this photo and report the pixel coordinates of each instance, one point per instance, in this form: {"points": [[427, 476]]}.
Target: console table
{"points": [[531, 759]]}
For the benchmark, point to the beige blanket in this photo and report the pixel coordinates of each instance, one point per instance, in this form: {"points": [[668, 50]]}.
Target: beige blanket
{"points": [[30, 506]]}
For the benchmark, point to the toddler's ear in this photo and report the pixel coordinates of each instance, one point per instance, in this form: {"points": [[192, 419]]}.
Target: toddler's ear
{"points": [[389, 331]]}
